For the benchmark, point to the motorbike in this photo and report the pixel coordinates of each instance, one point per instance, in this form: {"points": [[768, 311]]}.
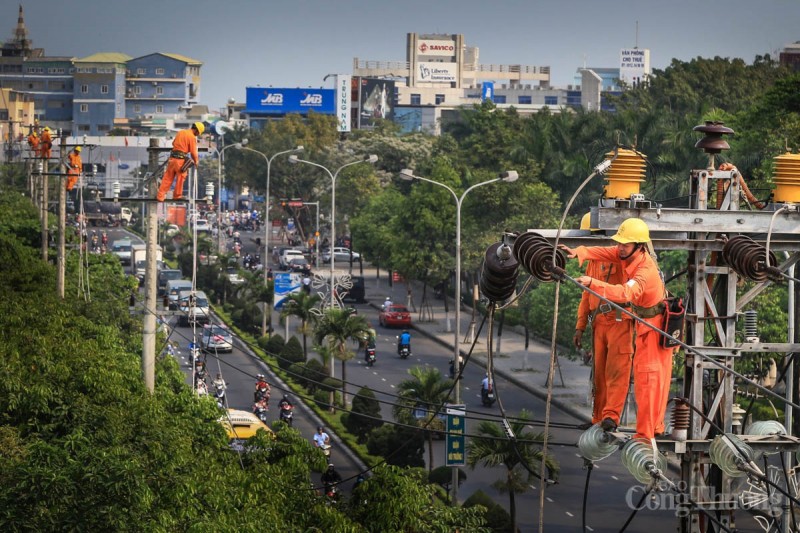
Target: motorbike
{"points": [[260, 410], [286, 413], [219, 395], [332, 493], [326, 449], [487, 397], [370, 356], [404, 351]]}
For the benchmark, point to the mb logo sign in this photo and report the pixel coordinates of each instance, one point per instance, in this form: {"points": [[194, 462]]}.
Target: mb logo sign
{"points": [[456, 453]]}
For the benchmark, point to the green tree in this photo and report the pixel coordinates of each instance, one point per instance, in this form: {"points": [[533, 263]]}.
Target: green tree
{"points": [[428, 390], [492, 448], [302, 305], [364, 415], [337, 327], [291, 353]]}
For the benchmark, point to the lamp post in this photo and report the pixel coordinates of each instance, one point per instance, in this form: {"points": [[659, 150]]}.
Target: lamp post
{"points": [[369, 159], [509, 176], [267, 225], [219, 188]]}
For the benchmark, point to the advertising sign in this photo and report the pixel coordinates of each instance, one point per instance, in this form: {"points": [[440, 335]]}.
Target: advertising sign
{"points": [[428, 72], [634, 65], [455, 450], [377, 101], [428, 47], [343, 91], [286, 283], [271, 101], [487, 91]]}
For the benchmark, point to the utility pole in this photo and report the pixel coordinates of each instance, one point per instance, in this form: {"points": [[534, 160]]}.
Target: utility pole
{"points": [[150, 273], [61, 264], [43, 206]]}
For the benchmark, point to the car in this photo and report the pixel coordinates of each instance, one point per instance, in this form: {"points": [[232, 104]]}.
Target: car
{"points": [[288, 254], [122, 249], [202, 225], [241, 425], [172, 230], [299, 264], [233, 276], [216, 338], [396, 315], [165, 275], [339, 254], [197, 313], [356, 293], [173, 291]]}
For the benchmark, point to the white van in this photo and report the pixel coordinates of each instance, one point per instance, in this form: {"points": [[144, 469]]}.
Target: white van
{"points": [[173, 292], [196, 312]]}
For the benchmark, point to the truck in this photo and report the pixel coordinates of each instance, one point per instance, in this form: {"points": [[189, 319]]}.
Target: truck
{"points": [[139, 258], [107, 214]]}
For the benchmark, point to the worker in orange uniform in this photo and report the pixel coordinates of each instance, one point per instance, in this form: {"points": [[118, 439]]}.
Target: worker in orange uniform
{"points": [[184, 146], [33, 143], [47, 144], [642, 289], [74, 167], [612, 341]]}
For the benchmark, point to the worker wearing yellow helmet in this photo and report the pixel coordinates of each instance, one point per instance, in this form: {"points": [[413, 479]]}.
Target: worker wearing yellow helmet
{"points": [[47, 144], [643, 291], [74, 167], [612, 343], [33, 143], [184, 148]]}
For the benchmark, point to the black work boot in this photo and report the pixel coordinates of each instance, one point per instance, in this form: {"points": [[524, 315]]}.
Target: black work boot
{"points": [[608, 425]]}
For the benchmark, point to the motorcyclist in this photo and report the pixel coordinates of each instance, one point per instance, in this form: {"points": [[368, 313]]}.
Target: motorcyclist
{"points": [[386, 303], [452, 366], [285, 403], [486, 384], [321, 439], [200, 370], [330, 478], [219, 383], [404, 341], [262, 391]]}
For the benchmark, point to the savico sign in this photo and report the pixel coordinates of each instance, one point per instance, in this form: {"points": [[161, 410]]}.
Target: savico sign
{"points": [[270, 101], [426, 47]]}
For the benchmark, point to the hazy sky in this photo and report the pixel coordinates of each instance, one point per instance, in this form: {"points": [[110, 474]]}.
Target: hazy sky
{"points": [[295, 43]]}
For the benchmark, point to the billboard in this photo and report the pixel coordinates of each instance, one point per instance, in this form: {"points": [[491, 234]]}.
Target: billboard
{"points": [[429, 47], [343, 90], [634, 65], [376, 101], [487, 91], [429, 72], [275, 101]]}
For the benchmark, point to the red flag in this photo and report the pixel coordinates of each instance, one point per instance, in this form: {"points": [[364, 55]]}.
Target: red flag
{"points": [[126, 141]]}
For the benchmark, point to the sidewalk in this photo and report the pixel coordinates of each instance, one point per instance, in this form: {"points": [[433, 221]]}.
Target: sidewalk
{"points": [[525, 368]]}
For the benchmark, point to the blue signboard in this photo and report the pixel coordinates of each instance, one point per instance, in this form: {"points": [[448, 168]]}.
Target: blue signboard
{"points": [[271, 101], [455, 449], [286, 283], [487, 91]]}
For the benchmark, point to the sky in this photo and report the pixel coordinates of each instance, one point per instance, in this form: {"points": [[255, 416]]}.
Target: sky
{"points": [[296, 43]]}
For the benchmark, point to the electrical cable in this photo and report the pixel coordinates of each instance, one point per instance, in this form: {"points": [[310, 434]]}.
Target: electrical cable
{"points": [[589, 467]]}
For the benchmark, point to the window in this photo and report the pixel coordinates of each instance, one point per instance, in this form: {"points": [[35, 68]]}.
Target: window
{"points": [[439, 99], [137, 89], [159, 90], [84, 89], [83, 127], [137, 108], [159, 109], [416, 99], [160, 71], [84, 108], [103, 127], [551, 100], [499, 99], [104, 89], [524, 99], [141, 71]]}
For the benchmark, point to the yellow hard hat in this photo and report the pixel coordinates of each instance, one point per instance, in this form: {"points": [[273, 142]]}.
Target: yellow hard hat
{"points": [[78, 149], [46, 128], [199, 127], [632, 230], [586, 222]]}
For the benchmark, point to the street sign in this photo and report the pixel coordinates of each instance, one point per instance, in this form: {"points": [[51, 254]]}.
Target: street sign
{"points": [[396, 276], [455, 449], [295, 203], [285, 283]]}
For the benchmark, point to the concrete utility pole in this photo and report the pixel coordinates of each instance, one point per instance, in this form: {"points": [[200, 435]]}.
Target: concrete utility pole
{"points": [[43, 206], [150, 273], [61, 264]]}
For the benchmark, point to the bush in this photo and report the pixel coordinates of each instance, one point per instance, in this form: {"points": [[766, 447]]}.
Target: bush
{"points": [[383, 442], [322, 399], [274, 345], [312, 375], [330, 384], [364, 403], [292, 352], [495, 515]]}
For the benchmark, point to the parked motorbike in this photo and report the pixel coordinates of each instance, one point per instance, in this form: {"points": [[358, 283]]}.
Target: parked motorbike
{"points": [[370, 356]]}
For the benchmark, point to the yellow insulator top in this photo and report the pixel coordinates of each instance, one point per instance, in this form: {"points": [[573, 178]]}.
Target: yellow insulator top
{"points": [[626, 173], [787, 179]]}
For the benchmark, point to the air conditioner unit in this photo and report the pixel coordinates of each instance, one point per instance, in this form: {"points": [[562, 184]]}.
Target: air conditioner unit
{"points": [[155, 83]]}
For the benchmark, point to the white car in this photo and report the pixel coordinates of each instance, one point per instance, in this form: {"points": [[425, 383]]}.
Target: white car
{"points": [[202, 225], [216, 339], [122, 249], [340, 254]]}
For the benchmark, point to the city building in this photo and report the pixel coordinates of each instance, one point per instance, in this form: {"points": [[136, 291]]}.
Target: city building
{"points": [[790, 56], [99, 93]]}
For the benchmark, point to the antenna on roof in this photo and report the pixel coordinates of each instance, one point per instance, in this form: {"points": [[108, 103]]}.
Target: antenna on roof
{"points": [[637, 35]]}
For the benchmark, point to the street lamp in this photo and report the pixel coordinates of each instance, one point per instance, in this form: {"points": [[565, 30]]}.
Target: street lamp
{"points": [[267, 225], [369, 159], [508, 176], [219, 188]]}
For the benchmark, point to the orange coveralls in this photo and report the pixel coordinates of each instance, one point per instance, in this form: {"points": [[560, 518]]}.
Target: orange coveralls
{"points": [[47, 145], [186, 143], [33, 142], [652, 365], [612, 342], [74, 170]]}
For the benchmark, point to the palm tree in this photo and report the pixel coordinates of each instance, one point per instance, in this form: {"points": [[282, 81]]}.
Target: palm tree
{"points": [[427, 390], [339, 326], [493, 448], [303, 306]]}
